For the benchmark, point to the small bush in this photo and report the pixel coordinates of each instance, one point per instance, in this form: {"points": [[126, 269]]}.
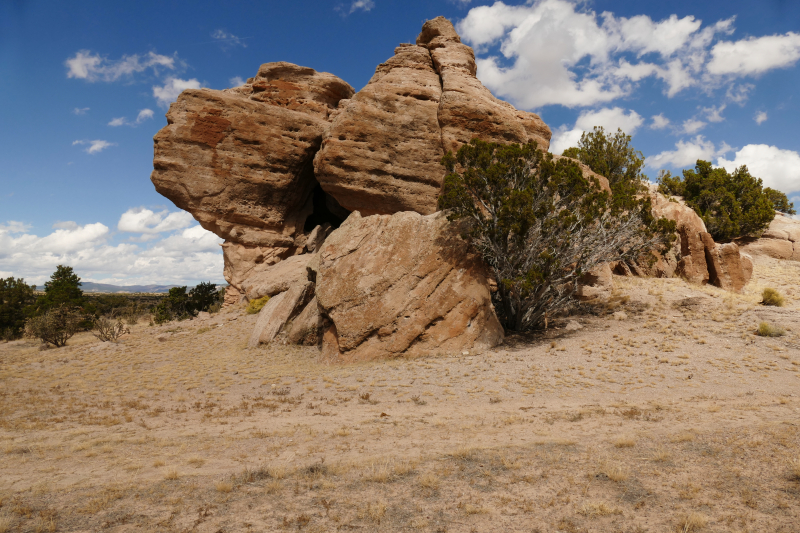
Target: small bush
{"points": [[256, 305], [765, 329], [108, 330], [771, 297], [56, 326]]}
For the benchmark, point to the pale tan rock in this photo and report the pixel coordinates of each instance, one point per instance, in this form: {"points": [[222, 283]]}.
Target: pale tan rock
{"points": [[278, 277], [468, 109], [307, 329], [242, 261], [233, 296], [382, 152], [240, 159], [693, 265], [747, 265], [596, 282], [277, 312], [724, 265], [689, 246], [403, 285], [317, 237], [777, 248]]}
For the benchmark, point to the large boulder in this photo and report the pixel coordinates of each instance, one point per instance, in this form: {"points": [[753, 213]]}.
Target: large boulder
{"points": [[240, 160], [278, 311], [781, 240], [382, 152], [725, 267], [404, 284]]}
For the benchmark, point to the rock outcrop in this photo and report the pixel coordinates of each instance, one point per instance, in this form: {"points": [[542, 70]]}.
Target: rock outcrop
{"points": [[381, 154], [404, 284], [781, 240]]}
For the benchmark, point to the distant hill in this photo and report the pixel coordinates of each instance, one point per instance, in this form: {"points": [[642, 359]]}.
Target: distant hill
{"points": [[89, 286]]}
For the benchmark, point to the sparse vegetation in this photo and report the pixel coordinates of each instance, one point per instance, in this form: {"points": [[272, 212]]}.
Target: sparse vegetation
{"points": [[56, 326], [255, 306], [765, 329], [106, 330], [16, 300], [772, 297]]}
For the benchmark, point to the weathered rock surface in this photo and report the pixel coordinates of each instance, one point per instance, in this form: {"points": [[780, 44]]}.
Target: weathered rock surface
{"points": [[308, 327], [240, 160], [597, 282], [781, 240], [689, 246], [724, 265], [382, 152], [279, 309], [278, 277], [402, 284]]}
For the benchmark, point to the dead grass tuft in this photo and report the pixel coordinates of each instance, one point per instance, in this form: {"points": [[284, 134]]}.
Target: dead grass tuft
{"points": [[765, 329], [794, 468], [771, 297], [223, 486], [692, 522], [172, 474], [625, 441], [592, 509]]}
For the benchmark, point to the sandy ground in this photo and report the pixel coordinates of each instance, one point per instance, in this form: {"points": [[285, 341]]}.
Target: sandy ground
{"points": [[669, 416]]}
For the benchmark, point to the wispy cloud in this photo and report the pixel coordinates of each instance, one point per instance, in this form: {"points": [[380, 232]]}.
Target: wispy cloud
{"points": [[80, 110], [228, 40], [659, 122], [144, 114], [355, 5], [143, 220], [92, 67], [168, 93], [236, 81], [761, 117], [95, 146], [609, 118]]}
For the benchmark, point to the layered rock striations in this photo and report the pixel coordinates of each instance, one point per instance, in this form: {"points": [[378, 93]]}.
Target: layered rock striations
{"points": [[381, 154], [780, 241]]}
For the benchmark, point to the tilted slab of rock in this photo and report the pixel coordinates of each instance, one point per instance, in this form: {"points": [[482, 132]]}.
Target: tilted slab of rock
{"points": [[382, 152], [725, 268], [240, 160], [278, 277], [308, 327], [273, 317], [404, 284]]}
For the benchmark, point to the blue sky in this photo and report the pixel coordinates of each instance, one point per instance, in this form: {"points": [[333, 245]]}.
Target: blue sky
{"points": [[85, 85]]}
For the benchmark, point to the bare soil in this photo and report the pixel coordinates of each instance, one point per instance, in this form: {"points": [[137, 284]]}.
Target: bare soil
{"points": [[662, 411]]}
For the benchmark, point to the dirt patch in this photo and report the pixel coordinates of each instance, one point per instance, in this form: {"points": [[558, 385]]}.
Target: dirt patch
{"points": [[663, 414]]}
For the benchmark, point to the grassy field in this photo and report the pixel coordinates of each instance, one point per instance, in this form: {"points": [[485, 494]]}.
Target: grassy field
{"points": [[665, 414]]}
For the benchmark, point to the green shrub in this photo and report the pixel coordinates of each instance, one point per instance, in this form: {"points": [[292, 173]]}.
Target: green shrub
{"points": [[16, 304], [256, 305], [731, 205], [540, 225], [55, 326], [765, 329], [771, 297]]}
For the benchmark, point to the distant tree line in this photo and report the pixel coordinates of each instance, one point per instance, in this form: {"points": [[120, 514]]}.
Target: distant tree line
{"points": [[63, 309]]}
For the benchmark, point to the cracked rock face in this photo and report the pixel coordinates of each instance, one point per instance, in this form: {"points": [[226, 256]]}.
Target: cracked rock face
{"points": [[240, 160], [402, 284], [381, 154]]}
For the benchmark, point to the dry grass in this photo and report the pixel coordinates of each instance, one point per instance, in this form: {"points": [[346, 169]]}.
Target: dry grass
{"points": [[223, 486], [765, 329], [592, 434], [772, 297], [692, 522], [171, 474]]}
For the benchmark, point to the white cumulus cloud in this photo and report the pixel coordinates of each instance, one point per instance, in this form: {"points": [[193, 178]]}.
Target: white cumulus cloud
{"points": [[692, 126], [143, 220], [609, 118], [777, 168], [90, 66], [687, 153], [659, 122], [186, 256], [168, 93], [761, 117], [546, 52], [95, 146], [236, 81], [754, 55]]}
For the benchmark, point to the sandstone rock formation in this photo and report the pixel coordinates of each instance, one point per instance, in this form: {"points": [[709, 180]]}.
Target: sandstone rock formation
{"points": [[403, 284], [381, 154], [276, 165], [274, 316], [781, 240]]}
